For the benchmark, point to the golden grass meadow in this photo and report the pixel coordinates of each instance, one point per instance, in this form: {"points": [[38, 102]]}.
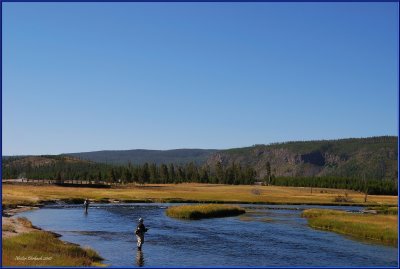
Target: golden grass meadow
{"points": [[191, 192], [382, 228]]}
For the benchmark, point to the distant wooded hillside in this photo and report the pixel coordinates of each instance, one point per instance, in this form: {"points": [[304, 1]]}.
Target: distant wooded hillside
{"points": [[365, 164], [141, 156], [374, 157]]}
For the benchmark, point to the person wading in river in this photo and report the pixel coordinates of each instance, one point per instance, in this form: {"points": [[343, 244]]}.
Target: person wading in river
{"points": [[86, 205], [140, 230]]}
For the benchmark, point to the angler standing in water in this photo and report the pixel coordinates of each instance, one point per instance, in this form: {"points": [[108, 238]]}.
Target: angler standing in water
{"points": [[86, 205], [140, 230]]}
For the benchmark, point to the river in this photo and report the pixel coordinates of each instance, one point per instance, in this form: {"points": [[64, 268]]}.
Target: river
{"points": [[265, 236]]}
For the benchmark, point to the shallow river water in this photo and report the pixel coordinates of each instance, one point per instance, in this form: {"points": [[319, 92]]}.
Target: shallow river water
{"points": [[265, 236]]}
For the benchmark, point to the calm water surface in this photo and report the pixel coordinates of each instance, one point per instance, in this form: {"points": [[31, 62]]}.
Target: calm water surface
{"points": [[266, 236]]}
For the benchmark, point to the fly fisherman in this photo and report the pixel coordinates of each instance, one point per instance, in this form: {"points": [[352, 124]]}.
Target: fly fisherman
{"points": [[86, 205], [140, 230]]}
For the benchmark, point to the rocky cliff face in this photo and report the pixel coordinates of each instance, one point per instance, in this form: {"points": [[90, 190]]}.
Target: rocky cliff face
{"points": [[377, 157]]}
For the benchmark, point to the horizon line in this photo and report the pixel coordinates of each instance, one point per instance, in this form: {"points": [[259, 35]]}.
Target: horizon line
{"points": [[188, 148]]}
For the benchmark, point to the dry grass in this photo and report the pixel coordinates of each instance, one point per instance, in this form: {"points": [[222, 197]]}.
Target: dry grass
{"points": [[8, 228], [25, 245], [25, 222], [30, 195], [44, 249], [378, 228], [16, 226], [203, 211]]}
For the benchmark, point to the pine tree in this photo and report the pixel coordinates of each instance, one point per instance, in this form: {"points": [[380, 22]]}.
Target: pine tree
{"points": [[153, 173], [145, 173], [268, 168], [171, 172], [219, 171]]}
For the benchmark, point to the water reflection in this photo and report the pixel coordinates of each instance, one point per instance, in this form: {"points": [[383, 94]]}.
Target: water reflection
{"points": [[139, 258]]}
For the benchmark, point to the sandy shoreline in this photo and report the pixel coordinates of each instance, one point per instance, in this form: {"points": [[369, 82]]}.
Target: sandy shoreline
{"points": [[12, 226]]}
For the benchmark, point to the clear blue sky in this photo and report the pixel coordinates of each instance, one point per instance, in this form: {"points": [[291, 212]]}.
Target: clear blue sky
{"points": [[93, 76]]}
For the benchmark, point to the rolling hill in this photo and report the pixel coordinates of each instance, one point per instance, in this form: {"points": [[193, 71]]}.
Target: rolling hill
{"points": [[374, 157], [141, 156]]}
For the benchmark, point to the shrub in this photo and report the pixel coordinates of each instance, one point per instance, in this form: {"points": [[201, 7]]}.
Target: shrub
{"points": [[343, 199], [256, 191]]}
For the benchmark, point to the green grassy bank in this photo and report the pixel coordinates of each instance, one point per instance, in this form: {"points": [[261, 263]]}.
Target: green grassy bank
{"points": [[203, 211], [41, 248], [379, 228]]}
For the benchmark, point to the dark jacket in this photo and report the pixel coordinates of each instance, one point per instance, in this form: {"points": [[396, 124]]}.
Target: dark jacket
{"points": [[140, 229]]}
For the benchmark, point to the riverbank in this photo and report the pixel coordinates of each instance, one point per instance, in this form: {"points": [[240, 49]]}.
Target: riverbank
{"points": [[27, 245], [34, 195], [379, 228]]}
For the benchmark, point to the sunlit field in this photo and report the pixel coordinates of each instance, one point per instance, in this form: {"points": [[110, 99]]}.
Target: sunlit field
{"points": [[30, 195]]}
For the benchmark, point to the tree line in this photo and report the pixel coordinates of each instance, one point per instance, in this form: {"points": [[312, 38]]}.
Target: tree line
{"points": [[142, 174], [370, 186], [236, 174]]}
